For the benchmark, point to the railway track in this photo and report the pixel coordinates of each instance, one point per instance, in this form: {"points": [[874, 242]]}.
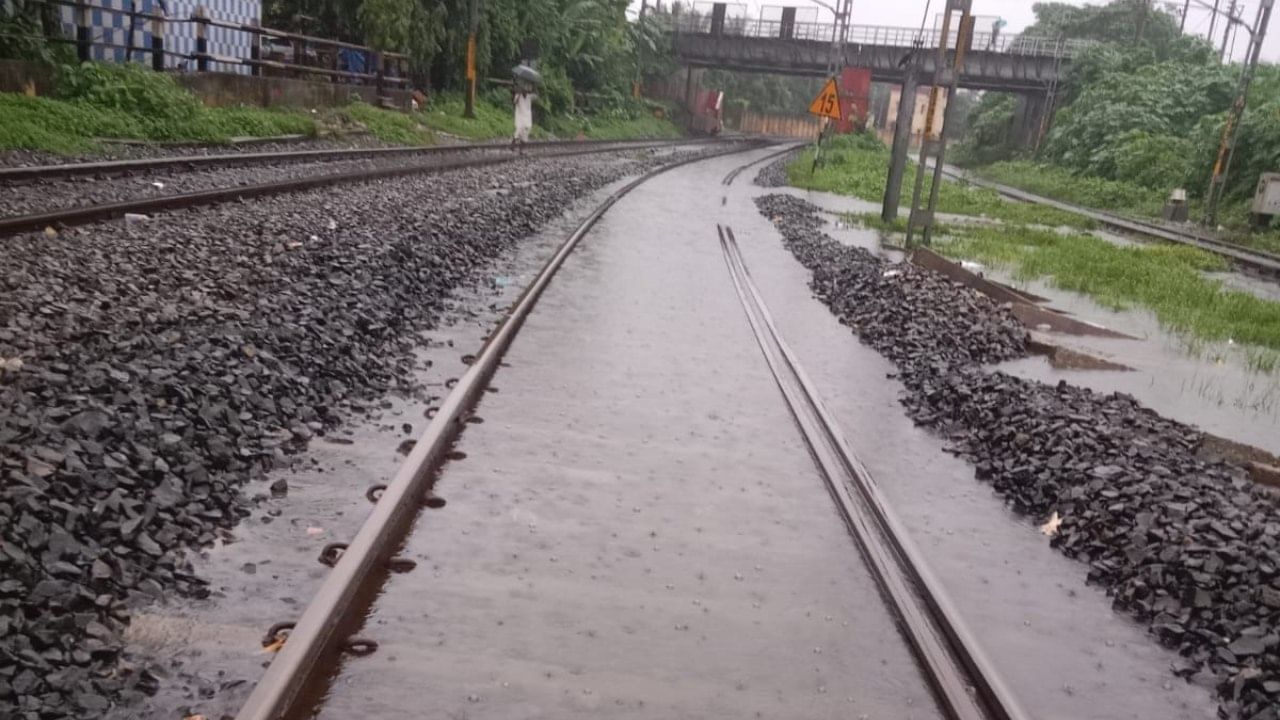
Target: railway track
{"points": [[440, 160], [1256, 260], [12, 175], [961, 679]]}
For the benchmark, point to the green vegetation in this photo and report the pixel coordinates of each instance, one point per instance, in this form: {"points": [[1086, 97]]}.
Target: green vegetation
{"points": [[129, 102], [389, 126], [1169, 280], [587, 49], [857, 165], [1060, 184], [492, 120], [97, 100], [1141, 109], [584, 46]]}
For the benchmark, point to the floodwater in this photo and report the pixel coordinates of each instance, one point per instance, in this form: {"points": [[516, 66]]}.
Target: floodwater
{"points": [[1209, 385], [211, 649], [638, 531]]}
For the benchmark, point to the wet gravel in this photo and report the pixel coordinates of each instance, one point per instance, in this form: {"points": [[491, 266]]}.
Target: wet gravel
{"points": [[774, 174], [47, 195], [153, 374], [1191, 549]]}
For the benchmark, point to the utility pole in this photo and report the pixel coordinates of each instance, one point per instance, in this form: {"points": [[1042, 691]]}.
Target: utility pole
{"points": [[470, 110], [1226, 32], [1182, 26], [946, 78], [1213, 19], [1227, 148]]}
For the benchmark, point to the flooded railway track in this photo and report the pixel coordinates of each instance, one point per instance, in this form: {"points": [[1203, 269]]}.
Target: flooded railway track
{"points": [[963, 679], [437, 159], [958, 677]]}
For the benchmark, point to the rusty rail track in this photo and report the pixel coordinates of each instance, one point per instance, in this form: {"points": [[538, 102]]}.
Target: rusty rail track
{"points": [[327, 626], [191, 162], [963, 680], [107, 211]]}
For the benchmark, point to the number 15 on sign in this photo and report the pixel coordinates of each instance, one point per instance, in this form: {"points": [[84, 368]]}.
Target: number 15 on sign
{"points": [[827, 104]]}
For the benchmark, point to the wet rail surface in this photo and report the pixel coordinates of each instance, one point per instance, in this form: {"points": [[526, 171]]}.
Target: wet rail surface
{"points": [[635, 529], [444, 159]]}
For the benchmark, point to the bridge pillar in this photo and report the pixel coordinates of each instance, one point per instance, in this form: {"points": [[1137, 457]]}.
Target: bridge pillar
{"points": [[901, 146], [1030, 118]]}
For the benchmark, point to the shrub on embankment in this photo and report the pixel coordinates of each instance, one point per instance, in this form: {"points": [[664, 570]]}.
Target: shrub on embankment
{"points": [[98, 100]]}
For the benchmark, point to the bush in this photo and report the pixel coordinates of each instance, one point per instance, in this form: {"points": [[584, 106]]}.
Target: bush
{"points": [[990, 134], [1160, 162], [127, 101]]}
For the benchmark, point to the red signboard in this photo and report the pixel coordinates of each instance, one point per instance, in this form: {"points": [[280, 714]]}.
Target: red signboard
{"points": [[855, 98]]}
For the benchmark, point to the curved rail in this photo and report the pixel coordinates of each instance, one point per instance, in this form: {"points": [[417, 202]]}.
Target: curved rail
{"points": [[333, 611], [960, 675], [49, 172], [106, 211]]}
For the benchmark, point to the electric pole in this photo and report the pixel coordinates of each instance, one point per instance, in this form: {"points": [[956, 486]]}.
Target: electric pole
{"points": [[1227, 148], [1226, 32], [470, 109], [1182, 26]]}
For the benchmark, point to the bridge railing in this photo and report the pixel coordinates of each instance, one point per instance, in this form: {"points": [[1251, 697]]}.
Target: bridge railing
{"points": [[881, 35]]}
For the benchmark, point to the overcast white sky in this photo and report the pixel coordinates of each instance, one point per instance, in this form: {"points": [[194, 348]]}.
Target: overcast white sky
{"points": [[1018, 14]]}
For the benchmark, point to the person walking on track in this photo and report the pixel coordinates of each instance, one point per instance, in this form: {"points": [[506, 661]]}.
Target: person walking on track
{"points": [[523, 101]]}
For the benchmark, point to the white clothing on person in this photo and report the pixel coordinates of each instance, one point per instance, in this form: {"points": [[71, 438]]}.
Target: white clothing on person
{"points": [[524, 115]]}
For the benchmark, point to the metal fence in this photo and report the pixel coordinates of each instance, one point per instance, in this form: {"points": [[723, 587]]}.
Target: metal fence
{"points": [[881, 35], [102, 32]]}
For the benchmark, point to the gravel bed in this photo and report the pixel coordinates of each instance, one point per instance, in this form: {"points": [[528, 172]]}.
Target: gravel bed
{"points": [[775, 173], [150, 372], [1189, 548], [130, 151], [54, 194]]}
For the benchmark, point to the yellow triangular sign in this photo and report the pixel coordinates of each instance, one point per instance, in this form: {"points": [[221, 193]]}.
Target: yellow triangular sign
{"points": [[827, 104]]}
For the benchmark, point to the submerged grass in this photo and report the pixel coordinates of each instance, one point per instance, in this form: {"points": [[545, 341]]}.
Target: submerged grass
{"points": [[857, 166], [1168, 280]]}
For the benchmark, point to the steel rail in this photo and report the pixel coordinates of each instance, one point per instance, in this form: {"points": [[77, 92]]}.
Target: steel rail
{"points": [[1255, 259], [95, 213], [48, 172], [962, 678], [733, 174], [342, 595]]}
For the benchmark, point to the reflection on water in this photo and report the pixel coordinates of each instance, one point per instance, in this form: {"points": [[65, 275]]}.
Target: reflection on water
{"points": [[1220, 387]]}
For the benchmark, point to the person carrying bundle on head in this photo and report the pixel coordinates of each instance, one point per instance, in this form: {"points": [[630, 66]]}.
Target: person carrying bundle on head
{"points": [[523, 95]]}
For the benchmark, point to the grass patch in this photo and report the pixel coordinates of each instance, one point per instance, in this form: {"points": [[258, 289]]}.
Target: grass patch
{"points": [[1165, 279], [493, 120], [1061, 184], [612, 128], [390, 126], [129, 102], [858, 165]]}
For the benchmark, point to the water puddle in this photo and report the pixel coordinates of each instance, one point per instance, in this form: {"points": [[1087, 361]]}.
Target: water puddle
{"points": [[208, 652], [1214, 386]]}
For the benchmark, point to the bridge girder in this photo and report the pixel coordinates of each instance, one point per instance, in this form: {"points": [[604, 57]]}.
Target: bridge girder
{"points": [[982, 70]]}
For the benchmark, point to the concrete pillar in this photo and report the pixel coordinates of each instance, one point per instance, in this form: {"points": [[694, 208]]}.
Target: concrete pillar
{"points": [[901, 144], [1030, 115]]}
